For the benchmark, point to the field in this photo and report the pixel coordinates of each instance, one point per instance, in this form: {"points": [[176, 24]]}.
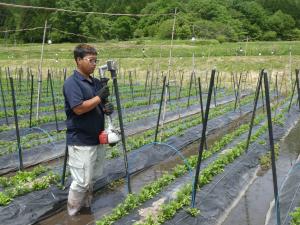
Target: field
{"points": [[161, 170]]}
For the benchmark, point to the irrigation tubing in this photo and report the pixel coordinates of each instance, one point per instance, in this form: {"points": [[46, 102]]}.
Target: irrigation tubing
{"points": [[177, 152]]}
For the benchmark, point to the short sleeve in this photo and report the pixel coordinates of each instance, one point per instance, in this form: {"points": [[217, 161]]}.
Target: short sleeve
{"points": [[73, 93]]}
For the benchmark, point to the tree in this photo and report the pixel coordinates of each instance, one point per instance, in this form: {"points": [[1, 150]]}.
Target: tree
{"points": [[123, 28]]}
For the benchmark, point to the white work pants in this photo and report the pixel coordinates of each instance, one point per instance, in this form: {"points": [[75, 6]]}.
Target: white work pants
{"points": [[86, 165]]}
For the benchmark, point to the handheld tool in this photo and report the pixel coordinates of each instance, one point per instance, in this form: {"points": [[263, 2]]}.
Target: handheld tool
{"points": [[110, 135]]}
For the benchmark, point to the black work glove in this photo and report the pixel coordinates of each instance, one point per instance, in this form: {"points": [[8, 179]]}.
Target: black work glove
{"points": [[108, 108], [103, 81], [103, 93]]}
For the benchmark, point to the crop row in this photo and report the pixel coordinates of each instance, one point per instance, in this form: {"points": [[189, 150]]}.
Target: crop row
{"points": [[177, 128], [25, 182], [132, 201], [168, 210]]}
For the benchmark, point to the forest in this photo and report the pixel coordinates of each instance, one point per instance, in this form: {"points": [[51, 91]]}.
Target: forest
{"points": [[222, 20]]}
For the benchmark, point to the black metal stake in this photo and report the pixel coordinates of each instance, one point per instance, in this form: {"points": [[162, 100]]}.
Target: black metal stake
{"points": [[131, 86], [293, 92], [195, 83], [201, 107], [269, 115], [3, 101], [211, 84], [31, 102], [237, 96], [47, 89], [262, 98], [53, 101], [276, 87], [180, 87], [146, 82], [151, 86], [190, 87], [16, 122], [258, 87], [110, 65], [160, 105], [298, 88], [64, 166], [65, 73]]}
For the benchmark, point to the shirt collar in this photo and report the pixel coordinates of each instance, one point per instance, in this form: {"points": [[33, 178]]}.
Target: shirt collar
{"points": [[81, 77]]}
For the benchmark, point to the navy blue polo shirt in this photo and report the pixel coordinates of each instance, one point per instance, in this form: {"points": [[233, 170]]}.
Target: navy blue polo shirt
{"points": [[82, 129]]}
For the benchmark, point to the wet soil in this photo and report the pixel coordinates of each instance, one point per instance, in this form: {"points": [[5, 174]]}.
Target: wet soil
{"points": [[254, 205], [109, 197]]}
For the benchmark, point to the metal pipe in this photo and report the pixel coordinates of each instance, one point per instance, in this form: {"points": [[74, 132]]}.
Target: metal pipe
{"points": [[201, 107], [258, 87], [211, 85], [160, 105], [270, 128], [53, 100], [31, 102], [16, 121], [112, 69], [3, 99]]}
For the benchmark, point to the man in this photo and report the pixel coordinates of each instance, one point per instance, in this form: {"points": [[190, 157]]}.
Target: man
{"points": [[85, 106]]}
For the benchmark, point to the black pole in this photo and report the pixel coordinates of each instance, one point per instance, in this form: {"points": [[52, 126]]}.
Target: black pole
{"points": [[237, 92], [48, 78], [270, 128], [293, 92], [131, 86], [201, 107], [190, 87], [146, 82], [53, 100], [3, 100], [195, 83], [64, 166], [112, 69], [276, 87], [160, 105], [151, 86], [31, 102], [169, 87], [65, 73], [211, 85], [16, 122], [175, 83], [258, 87], [27, 79], [180, 87], [298, 88]]}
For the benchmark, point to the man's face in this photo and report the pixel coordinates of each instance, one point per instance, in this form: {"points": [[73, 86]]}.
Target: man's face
{"points": [[87, 64]]}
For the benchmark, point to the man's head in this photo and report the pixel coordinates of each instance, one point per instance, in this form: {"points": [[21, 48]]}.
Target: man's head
{"points": [[86, 58]]}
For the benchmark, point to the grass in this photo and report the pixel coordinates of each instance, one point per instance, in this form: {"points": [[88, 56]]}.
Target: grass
{"points": [[226, 56]]}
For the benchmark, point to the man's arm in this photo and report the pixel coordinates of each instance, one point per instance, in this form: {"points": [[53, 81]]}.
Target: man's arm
{"points": [[87, 105]]}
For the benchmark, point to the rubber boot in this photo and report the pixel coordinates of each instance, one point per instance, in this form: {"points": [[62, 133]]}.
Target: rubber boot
{"points": [[75, 201]]}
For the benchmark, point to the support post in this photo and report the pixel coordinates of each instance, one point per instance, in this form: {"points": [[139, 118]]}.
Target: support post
{"points": [[16, 122], [112, 68], [195, 185], [270, 128], [160, 105]]}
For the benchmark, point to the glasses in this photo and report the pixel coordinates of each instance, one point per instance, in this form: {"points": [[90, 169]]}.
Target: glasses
{"points": [[92, 61]]}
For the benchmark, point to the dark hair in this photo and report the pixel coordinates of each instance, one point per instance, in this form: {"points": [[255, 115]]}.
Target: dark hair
{"points": [[82, 50]]}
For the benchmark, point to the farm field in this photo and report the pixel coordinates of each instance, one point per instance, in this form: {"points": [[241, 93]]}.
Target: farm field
{"points": [[235, 184]]}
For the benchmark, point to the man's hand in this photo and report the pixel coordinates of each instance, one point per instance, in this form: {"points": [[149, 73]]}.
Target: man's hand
{"points": [[108, 108], [103, 81], [103, 93]]}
